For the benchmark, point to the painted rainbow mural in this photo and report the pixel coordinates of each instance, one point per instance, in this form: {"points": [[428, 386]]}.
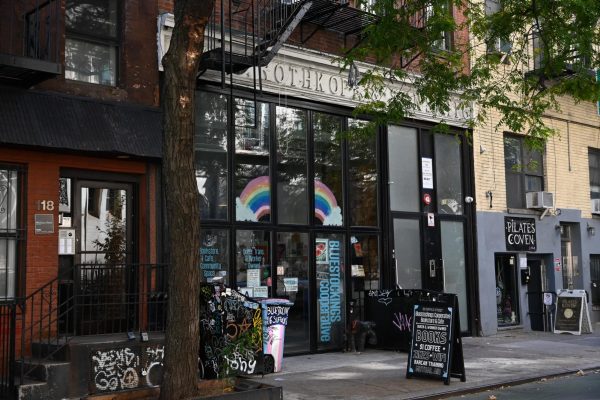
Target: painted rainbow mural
{"points": [[325, 201], [256, 196]]}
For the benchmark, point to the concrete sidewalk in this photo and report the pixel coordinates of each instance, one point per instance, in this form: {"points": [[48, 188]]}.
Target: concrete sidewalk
{"points": [[511, 356]]}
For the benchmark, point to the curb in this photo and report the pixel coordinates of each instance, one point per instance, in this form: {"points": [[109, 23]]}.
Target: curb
{"points": [[498, 385]]}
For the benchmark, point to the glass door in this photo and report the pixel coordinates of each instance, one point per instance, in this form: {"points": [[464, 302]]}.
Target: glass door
{"points": [[292, 272], [105, 277]]}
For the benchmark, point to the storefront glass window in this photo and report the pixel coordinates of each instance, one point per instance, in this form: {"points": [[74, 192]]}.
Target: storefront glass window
{"points": [[331, 300], [506, 290], [293, 284], [448, 174], [328, 169], [214, 256], [407, 257], [292, 189], [403, 154], [252, 262], [210, 147], [362, 180], [252, 180]]}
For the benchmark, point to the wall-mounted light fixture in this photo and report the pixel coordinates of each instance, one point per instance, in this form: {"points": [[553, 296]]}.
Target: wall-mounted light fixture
{"points": [[558, 228], [591, 230]]}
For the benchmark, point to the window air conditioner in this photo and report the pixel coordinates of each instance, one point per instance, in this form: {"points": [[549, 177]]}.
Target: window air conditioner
{"points": [[166, 22], [595, 206], [539, 200]]}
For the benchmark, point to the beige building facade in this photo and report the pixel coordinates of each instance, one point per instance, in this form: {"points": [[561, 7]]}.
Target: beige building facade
{"points": [[538, 219]]}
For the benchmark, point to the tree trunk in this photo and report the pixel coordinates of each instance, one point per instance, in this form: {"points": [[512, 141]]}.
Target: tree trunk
{"points": [[181, 197]]}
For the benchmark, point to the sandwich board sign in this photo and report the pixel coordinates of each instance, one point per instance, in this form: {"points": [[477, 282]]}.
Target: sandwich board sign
{"points": [[572, 313], [436, 344]]}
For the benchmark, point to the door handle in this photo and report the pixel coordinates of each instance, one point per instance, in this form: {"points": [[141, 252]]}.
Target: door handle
{"points": [[432, 268]]}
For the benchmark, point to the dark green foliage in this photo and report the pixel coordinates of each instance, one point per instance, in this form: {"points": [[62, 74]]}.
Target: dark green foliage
{"points": [[505, 72]]}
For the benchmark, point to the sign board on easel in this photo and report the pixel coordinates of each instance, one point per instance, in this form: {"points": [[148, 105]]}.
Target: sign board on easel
{"points": [[572, 313], [436, 344]]}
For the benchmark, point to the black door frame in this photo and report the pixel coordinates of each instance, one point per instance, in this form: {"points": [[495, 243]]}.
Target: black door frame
{"points": [[70, 287]]}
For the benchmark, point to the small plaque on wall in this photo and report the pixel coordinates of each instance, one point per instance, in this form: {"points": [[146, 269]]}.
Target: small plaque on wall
{"points": [[44, 224]]}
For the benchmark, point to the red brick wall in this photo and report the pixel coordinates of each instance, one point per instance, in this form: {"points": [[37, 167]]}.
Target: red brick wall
{"points": [[138, 60], [43, 171]]}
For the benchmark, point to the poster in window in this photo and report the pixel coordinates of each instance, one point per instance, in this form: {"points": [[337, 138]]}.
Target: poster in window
{"points": [[214, 255], [322, 251]]}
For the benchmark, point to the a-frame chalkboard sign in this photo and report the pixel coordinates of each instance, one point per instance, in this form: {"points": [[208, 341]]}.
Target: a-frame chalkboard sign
{"points": [[436, 345], [572, 312]]}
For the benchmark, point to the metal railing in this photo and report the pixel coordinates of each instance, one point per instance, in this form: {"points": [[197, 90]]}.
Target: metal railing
{"points": [[90, 299], [31, 28]]}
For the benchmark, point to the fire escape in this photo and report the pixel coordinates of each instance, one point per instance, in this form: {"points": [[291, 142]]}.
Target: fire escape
{"points": [[29, 49], [247, 34]]}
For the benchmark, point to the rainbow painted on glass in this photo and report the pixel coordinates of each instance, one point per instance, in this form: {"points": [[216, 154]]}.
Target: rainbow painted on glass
{"points": [[257, 196], [325, 201]]}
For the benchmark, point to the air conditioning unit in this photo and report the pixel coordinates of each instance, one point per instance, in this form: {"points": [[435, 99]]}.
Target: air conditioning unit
{"points": [[539, 200], [166, 22], [595, 206]]}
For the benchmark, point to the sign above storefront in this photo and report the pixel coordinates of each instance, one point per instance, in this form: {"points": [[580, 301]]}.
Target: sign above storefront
{"points": [[520, 234], [314, 76]]}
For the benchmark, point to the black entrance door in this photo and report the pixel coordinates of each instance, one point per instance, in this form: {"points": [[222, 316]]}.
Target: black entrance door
{"points": [[535, 295], [105, 280]]}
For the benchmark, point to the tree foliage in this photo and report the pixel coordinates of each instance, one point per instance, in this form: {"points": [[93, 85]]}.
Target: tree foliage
{"points": [[521, 57]]}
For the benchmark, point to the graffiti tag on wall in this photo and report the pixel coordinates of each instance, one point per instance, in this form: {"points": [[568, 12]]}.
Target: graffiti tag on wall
{"points": [[127, 367]]}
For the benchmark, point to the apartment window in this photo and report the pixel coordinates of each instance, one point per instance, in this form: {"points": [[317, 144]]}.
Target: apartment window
{"points": [[524, 170], [9, 231], [594, 160], [444, 42], [92, 41], [497, 44]]}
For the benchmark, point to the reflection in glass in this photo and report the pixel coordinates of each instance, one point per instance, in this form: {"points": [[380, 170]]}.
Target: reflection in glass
{"points": [[292, 193], [90, 62], [404, 176], [252, 181], [92, 17], [210, 147], [453, 254], [331, 299], [328, 169], [362, 168], [252, 262], [91, 42], [293, 284], [448, 173], [214, 256], [103, 230], [9, 199], [407, 238]]}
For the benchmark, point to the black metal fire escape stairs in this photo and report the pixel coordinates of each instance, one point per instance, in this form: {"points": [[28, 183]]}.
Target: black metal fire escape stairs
{"points": [[247, 34], [29, 49]]}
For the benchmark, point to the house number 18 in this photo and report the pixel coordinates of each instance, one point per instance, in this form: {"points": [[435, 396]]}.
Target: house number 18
{"points": [[45, 205]]}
